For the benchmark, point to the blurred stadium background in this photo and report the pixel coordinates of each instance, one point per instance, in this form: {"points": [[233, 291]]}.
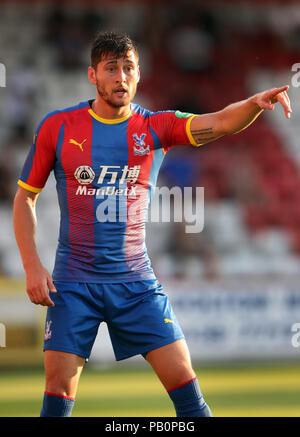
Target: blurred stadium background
{"points": [[234, 286]]}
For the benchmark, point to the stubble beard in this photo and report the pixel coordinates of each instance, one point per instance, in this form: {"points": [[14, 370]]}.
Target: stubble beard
{"points": [[109, 98]]}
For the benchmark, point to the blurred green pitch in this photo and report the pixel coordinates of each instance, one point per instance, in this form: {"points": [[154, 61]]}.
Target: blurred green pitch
{"points": [[260, 391]]}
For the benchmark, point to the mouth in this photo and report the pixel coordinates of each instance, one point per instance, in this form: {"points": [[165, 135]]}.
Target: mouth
{"points": [[120, 92]]}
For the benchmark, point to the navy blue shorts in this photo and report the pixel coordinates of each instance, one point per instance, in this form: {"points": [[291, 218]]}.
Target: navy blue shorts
{"points": [[138, 314]]}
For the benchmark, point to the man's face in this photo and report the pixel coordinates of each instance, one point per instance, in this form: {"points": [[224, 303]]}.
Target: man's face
{"points": [[116, 79]]}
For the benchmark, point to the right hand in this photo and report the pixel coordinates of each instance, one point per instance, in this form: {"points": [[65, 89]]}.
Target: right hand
{"points": [[38, 284], [266, 99]]}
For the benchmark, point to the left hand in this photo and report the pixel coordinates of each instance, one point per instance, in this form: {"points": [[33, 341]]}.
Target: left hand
{"points": [[266, 99]]}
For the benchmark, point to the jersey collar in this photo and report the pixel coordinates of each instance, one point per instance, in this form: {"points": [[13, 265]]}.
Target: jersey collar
{"points": [[108, 120]]}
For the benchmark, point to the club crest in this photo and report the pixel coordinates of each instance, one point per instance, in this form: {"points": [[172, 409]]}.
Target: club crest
{"points": [[139, 146], [48, 332]]}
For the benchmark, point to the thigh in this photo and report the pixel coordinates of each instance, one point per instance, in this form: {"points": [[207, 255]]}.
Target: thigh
{"points": [[72, 324], [139, 319], [172, 364], [62, 371]]}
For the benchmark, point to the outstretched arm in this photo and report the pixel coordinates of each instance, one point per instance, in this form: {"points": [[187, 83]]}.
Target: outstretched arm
{"points": [[237, 116]]}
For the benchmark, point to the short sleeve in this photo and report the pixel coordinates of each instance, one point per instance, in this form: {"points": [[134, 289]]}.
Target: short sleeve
{"points": [[41, 157], [173, 128]]}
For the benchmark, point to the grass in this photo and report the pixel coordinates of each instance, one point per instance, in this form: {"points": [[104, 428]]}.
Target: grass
{"points": [[260, 391]]}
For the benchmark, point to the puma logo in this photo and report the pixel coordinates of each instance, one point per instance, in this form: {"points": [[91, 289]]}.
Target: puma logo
{"points": [[77, 144], [168, 321]]}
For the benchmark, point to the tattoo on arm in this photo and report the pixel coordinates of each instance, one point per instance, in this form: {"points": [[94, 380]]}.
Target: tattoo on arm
{"points": [[203, 135]]}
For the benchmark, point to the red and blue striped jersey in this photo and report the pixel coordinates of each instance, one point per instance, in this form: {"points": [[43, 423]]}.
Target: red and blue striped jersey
{"points": [[105, 172]]}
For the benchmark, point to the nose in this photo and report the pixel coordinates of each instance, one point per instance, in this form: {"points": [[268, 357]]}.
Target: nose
{"points": [[121, 76]]}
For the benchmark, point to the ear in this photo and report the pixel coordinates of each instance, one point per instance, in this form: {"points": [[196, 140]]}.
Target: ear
{"points": [[92, 75]]}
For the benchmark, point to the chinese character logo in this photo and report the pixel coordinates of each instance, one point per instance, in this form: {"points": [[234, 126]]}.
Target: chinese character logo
{"points": [[126, 174]]}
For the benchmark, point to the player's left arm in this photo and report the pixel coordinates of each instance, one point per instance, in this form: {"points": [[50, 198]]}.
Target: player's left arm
{"points": [[237, 116]]}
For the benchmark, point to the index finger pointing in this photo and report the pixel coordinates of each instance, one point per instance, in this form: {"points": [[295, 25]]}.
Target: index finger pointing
{"points": [[276, 91], [287, 98]]}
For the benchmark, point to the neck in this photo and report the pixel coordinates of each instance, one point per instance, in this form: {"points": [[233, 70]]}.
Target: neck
{"points": [[103, 110]]}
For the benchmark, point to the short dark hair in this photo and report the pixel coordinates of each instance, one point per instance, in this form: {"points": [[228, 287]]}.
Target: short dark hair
{"points": [[105, 43]]}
